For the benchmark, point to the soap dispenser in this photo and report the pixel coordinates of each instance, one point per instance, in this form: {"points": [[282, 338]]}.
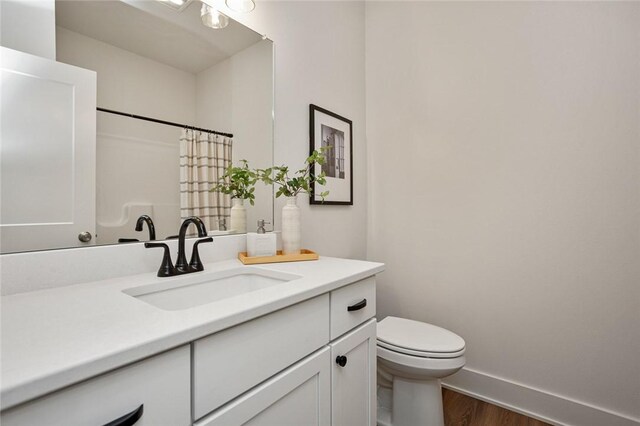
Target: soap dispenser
{"points": [[260, 243]]}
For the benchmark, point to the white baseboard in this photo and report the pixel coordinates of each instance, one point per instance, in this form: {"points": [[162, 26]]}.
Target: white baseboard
{"points": [[535, 403]]}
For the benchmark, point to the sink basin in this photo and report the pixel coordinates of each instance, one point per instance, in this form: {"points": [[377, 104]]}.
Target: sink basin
{"points": [[188, 291]]}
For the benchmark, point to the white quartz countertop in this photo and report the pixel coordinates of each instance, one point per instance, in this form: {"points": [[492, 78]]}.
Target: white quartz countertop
{"points": [[56, 337]]}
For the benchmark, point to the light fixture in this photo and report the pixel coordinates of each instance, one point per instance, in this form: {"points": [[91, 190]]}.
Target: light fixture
{"points": [[178, 5], [243, 6], [212, 18]]}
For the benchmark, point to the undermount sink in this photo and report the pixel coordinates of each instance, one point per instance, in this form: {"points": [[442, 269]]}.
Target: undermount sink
{"points": [[197, 289]]}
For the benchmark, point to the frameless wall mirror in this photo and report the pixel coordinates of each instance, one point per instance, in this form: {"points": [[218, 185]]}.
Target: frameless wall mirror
{"points": [[176, 103]]}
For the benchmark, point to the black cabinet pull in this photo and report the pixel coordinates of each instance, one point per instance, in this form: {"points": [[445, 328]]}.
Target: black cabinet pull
{"points": [[341, 360], [357, 306], [128, 419]]}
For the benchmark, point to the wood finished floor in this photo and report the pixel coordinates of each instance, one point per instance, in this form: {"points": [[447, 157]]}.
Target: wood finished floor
{"points": [[462, 410]]}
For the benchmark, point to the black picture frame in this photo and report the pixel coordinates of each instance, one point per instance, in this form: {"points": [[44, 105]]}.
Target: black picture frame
{"points": [[332, 130]]}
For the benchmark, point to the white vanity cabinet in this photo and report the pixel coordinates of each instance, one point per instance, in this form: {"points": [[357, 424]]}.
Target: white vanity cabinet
{"points": [[161, 385], [334, 386], [312, 363]]}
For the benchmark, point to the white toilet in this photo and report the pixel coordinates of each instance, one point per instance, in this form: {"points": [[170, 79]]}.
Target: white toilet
{"points": [[412, 358]]}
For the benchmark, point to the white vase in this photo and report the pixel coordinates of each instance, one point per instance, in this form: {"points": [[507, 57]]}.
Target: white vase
{"points": [[291, 227], [238, 216]]}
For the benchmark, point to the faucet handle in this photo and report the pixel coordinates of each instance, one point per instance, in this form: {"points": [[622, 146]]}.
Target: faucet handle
{"points": [[195, 264], [166, 268]]}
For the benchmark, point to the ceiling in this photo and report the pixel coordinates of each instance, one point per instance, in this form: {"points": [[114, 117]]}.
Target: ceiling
{"points": [[153, 30]]}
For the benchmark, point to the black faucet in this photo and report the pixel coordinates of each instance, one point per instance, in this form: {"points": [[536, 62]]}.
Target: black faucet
{"points": [[152, 229], [182, 267]]}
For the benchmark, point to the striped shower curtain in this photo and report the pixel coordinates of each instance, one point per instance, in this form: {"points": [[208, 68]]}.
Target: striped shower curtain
{"points": [[203, 159]]}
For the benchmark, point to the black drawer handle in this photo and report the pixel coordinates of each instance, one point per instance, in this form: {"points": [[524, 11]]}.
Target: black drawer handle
{"points": [[128, 419], [357, 306], [341, 360]]}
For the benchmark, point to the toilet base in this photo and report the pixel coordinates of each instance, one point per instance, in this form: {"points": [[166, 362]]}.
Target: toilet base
{"points": [[413, 403], [384, 406]]}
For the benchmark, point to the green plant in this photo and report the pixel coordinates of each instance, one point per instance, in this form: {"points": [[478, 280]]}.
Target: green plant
{"points": [[300, 182], [239, 182]]}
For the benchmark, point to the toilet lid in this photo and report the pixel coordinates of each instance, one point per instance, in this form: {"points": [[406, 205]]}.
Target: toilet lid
{"points": [[415, 337]]}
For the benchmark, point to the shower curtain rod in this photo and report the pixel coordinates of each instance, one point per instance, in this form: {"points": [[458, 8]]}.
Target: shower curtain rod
{"points": [[168, 123]]}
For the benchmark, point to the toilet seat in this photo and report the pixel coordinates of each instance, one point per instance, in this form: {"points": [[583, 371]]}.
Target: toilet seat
{"points": [[421, 354], [419, 339]]}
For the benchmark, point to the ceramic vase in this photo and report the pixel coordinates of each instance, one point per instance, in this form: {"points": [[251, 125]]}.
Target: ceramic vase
{"points": [[238, 220], [291, 227]]}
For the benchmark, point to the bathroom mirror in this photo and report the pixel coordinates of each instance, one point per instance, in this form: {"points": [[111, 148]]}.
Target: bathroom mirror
{"points": [[159, 69]]}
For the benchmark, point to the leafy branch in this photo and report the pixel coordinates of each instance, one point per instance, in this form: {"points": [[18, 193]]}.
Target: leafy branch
{"points": [[300, 182], [239, 182]]}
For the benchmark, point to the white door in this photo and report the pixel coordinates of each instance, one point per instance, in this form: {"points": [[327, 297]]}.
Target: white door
{"points": [[299, 396], [353, 377], [47, 153]]}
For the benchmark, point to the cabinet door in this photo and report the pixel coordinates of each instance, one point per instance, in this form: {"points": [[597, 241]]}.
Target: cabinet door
{"points": [[47, 153], [153, 392], [353, 377], [299, 396], [246, 355]]}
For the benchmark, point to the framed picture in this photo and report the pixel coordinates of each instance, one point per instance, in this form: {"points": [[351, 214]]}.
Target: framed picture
{"points": [[334, 133]]}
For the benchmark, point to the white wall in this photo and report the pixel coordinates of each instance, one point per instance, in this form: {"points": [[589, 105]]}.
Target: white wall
{"points": [[29, 26], [505, 199], [137, 162], [319, 59], [236, 95]]}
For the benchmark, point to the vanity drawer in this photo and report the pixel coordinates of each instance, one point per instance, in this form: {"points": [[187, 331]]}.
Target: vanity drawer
{"points": [[159, 384], [229, 363], [352, 305]]}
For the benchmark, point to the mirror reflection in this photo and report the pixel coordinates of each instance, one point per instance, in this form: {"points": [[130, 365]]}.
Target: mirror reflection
{"points": [[177, 103]]}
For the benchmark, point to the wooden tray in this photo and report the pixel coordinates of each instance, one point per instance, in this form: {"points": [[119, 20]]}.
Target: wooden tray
{"points": [[279, 257]]}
